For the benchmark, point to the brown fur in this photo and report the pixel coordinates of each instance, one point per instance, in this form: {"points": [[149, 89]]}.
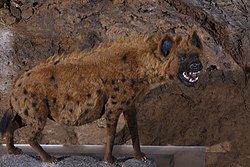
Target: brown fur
{"points": [[81, 87]]}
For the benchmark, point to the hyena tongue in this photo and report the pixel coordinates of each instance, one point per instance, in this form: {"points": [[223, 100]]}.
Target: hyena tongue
{"points": [[193, 75]]}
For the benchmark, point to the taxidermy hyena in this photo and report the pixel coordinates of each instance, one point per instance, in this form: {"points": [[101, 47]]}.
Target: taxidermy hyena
{"points": [[80, 88]]}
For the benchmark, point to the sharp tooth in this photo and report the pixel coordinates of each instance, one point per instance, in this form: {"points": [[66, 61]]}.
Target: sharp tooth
{"points": [[185, 75], [191, 76], [193, 80], [194, 73]]}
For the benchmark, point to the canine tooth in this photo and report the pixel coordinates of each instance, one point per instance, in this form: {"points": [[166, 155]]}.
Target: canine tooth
{"points": [[191, 76], [185, 75]]}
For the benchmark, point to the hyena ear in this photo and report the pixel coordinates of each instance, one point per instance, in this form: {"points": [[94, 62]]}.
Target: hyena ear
{"points": [[195, 40], [166, 45]]}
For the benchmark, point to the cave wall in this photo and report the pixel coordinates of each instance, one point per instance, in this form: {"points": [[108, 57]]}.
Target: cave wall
{"points": [[214, 113]]}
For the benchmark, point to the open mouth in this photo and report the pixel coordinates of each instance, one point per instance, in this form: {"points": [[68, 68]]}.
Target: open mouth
{"points": [[189, 78]]}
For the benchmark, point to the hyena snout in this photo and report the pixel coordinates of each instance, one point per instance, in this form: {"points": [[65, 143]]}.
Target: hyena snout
{"points": [[189, 71], [195, 66]]}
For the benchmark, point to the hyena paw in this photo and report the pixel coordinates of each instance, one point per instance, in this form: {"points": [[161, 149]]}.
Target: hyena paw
{"points": [[140, 156], [51, 159], [15, 151], [110, 159]]}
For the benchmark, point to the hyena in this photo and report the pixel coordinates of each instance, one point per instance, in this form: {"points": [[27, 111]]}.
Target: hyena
{"points": [[81, 87]]}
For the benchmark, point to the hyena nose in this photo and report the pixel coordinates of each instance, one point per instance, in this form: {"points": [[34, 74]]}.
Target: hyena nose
{"points": [[195, 66]]}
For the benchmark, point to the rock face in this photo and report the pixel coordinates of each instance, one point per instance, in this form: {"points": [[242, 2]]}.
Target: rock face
{"points": [[214, 112]]}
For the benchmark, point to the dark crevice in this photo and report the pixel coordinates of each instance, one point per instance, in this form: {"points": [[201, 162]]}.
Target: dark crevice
{"points": [[247, 75], [212, 68], [4, 3], [35, 4]]}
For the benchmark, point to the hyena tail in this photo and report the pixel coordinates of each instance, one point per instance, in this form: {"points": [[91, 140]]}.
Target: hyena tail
{"points": [[5, 121]]}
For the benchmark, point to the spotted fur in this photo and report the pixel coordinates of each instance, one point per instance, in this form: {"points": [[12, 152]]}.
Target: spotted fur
{"points": [[79, 88]]}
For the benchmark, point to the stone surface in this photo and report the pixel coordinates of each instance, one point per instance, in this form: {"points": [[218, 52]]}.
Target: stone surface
{"points": [[70, 161], [214, 113]]}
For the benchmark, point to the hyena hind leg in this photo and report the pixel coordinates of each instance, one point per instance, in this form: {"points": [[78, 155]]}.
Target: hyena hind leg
{"points": [[14, 125], [33, 138]]}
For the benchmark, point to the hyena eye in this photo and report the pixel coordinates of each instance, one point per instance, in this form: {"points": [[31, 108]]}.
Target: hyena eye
{"points": [[166, 46]]}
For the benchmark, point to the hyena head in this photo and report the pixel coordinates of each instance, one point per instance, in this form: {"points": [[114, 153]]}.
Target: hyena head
{"points": [[181, 57]]}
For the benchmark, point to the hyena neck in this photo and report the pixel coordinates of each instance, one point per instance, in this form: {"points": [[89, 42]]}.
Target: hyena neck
{"points": [[152, 71]]}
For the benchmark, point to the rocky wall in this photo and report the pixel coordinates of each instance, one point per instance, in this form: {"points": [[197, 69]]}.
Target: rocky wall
{"points": [[214, 113]]}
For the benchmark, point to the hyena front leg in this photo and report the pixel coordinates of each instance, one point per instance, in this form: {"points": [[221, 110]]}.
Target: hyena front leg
{"points": [[112, 117], [130, 117]]}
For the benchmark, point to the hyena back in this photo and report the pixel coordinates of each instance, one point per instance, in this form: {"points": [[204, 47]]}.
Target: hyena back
{"points": [[80, 88]]}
